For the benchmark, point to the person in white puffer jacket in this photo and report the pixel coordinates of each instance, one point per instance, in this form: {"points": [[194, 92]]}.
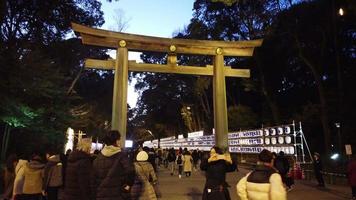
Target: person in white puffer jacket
{"points": [[263, 183]]}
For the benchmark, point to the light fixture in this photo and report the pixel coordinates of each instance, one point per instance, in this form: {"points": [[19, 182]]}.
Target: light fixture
{"points": [[341, 12], [335, 156]]}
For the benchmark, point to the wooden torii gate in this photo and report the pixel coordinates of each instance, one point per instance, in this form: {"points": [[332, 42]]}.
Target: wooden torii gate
{"points": [[124, 42]]}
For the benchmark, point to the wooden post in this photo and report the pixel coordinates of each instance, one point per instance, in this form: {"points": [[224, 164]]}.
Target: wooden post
{"points": [[119, 107], [220, 108]]}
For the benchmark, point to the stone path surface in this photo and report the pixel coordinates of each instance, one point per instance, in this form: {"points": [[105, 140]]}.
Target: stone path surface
{"points": [[190, 188]]}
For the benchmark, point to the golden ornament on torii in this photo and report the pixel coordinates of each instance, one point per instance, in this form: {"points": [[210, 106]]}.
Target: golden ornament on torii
{"points": [[123, 42]]}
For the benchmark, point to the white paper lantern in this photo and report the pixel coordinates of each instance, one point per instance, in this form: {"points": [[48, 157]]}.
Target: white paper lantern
{"points": [[291, 150], [266, 132], [287, 130], [274, 140], [273, 131], [280, 140], [280, 130], [267, 141], [288, 140]]}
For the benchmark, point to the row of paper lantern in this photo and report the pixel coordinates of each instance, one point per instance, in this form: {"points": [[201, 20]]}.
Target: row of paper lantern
{"points": [[280, 140], [275, 131]]}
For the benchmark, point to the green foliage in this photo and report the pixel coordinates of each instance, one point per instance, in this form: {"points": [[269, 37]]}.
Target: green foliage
{"points": [[38, 66]]}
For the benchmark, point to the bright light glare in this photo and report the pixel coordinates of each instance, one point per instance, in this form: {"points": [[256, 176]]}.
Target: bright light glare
{"points": [[128, 143], [341, 12], [335, 156]]}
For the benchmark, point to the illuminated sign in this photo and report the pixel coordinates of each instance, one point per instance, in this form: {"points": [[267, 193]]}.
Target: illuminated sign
{"points": [[251, 141]]}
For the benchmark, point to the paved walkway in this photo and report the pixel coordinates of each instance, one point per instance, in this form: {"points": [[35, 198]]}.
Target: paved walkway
{"points": [[191, 188]]}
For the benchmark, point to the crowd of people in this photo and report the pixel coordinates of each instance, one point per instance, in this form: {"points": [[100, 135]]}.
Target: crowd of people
{"points": [[115, 174]]}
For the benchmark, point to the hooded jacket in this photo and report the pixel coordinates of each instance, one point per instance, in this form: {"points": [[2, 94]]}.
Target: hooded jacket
{"points": [[143, 189], [216, 168], [262, 183], [112, 171], [78, 176], [19, 177], [33, 174]]}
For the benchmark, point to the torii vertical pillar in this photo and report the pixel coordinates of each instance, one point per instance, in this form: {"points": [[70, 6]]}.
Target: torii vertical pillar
{"points": [[220, 107], [119, 106]]}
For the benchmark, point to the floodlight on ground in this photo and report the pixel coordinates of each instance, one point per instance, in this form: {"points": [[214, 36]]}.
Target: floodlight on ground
{"points": [[335, 156]]}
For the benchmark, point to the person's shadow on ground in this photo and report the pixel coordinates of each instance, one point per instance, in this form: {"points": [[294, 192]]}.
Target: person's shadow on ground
{"points": [[195, 193]]}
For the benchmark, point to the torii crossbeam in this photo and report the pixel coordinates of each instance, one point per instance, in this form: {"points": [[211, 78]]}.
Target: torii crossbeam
{"points": [[123, 42]]}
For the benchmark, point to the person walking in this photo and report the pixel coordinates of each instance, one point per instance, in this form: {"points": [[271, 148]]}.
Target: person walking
{"points": [[318, 167], [179, 162], [33, 178], [145, 179], [263, 183], [19, 179], [216, 167], [53, 178], [281, 163], [79, 173], [114, 173], [195, 157], [187, 164], [9, 176], [351, 175], [171, 160]]}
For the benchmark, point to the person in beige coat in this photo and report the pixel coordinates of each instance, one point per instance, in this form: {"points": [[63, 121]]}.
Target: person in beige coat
{"points": [[19, 179], [263, 183], [187, 163], [143, 188]]}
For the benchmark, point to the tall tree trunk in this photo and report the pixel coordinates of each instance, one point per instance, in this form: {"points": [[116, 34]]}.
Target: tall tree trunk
{"points": [[267, 94], [322, 98], [5, 142]]}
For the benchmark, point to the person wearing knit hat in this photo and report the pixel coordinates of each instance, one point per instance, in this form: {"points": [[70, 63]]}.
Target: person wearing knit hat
{"points": [[142, 156], [262, 183], [145, 180]]}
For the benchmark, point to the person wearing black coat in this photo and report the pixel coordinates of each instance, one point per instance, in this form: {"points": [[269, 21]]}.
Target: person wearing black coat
{"points": [[281, 163], [318, 167], [113, 171], [216, 167], [79, 173]]}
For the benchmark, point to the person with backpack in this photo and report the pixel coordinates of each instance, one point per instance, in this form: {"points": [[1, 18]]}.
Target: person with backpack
{"points": [[216, 166], [53, 176], [281, 163], [114, 173], [171, 159], [179, 162], [263, 183]]}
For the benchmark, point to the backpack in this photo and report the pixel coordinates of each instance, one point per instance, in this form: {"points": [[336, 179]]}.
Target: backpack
{"points": [[56, 177], [179, 160]]}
